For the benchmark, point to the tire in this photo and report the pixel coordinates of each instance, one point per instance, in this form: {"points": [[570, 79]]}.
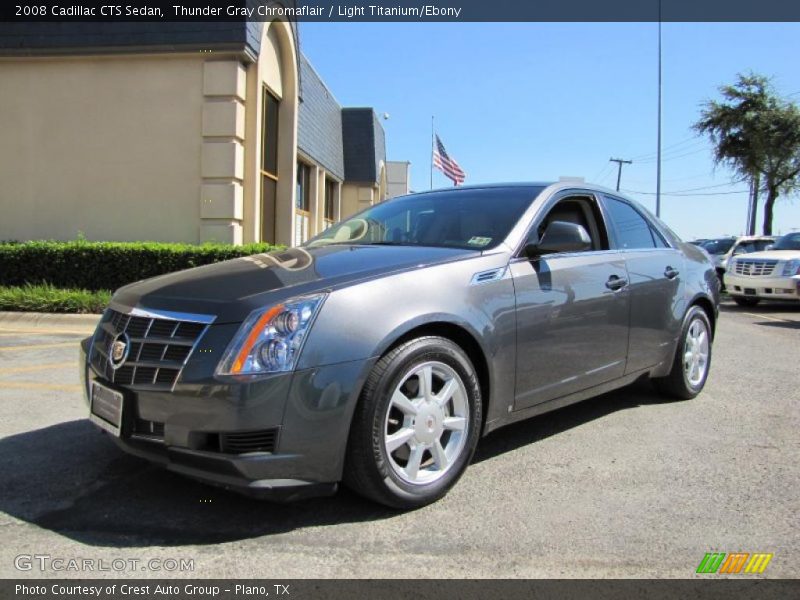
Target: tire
{"points": [[686, 381], [746, 300], [397, 425], [721, 278]]}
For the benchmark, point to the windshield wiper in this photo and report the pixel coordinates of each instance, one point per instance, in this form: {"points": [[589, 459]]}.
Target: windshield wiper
{"points": [[387, 243]]}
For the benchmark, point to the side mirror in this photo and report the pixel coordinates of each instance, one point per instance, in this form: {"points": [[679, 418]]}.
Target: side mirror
{"points": [[561, 236]]}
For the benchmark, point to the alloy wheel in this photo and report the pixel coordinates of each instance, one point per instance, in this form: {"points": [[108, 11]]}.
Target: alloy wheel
{"points": [[696, 352], [427, 421]]}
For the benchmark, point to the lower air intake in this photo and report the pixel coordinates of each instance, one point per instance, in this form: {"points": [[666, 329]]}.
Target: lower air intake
{"points": [[242, 442]]}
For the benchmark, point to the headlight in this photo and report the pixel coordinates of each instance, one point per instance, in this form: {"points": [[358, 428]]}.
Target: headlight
{"points": [[270, 339], [791, 268]]}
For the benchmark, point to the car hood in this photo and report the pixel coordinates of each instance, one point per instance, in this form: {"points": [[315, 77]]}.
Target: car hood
{"points": [[232, 289], [773, 254]]}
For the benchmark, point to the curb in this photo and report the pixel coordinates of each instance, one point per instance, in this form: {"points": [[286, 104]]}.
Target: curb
{"points": [[49, 321]]}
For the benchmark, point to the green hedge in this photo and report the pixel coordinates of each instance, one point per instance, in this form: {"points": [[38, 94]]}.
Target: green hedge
{"points": [[106, 265]]}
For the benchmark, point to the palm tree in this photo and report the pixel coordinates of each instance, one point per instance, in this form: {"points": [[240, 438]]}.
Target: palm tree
{"points": [[757, 134]]}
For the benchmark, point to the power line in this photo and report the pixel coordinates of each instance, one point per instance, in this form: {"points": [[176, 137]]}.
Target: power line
{"points": [[706, 187], [670, 147], [678, 194], [671, 157], [602, 172]]}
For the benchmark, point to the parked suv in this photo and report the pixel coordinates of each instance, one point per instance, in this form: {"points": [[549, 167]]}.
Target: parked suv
{"points": [[746, 244], [770, 275]]}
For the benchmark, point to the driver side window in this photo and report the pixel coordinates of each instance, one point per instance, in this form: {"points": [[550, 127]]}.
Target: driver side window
{"points": [[579, 210]]}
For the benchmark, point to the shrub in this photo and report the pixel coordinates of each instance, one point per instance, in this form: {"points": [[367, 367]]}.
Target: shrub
{"points": [[106, 265], [46, 298]]}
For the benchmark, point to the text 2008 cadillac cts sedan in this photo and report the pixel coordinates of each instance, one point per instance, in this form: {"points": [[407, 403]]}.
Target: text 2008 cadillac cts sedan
{"points": [[380, 351]]}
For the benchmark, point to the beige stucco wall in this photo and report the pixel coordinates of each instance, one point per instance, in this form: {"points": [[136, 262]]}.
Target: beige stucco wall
{"points": [[356, 197], [397, 178], [110, 146]]}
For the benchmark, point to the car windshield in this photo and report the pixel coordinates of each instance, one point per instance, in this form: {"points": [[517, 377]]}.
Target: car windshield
{"points": [[477, 219], [752, 246], [718, 246], [790, 241]]}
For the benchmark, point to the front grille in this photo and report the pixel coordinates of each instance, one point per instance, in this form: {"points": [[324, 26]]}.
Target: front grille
{"points": [[263, 440], [754, 267], [158, 348]]}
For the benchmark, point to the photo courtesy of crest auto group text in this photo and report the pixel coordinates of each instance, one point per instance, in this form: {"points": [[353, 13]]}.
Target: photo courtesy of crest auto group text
{"points": [[332, 300]]}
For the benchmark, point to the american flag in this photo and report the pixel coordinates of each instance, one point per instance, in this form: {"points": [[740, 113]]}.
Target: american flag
{"points": [[447, 165]]}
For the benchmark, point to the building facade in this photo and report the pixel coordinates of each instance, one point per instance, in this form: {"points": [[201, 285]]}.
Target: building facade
{"points": [[188, 132]]}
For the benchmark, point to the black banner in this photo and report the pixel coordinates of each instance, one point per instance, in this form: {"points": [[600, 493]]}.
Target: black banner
{"points": [[400, 10], [390, 589]]}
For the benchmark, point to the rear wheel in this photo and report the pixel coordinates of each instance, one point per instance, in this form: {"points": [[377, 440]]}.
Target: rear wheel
{"points": [[692, 358], [416, 425], [746, 300]]}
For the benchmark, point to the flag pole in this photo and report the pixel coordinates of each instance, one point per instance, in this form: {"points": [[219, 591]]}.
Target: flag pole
{"points": [[432, 142]]}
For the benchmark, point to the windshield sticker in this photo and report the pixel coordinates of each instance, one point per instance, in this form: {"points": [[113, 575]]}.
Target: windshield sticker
{"points": [[479, 241]]}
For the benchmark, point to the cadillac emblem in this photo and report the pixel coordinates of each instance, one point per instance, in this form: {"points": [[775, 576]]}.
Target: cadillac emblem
{"points": [[118, 351]]}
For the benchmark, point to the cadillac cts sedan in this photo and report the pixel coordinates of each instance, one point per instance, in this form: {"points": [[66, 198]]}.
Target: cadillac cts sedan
{"points": [[378, 353]]}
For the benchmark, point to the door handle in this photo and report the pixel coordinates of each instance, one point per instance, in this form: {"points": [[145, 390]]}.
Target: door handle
{"points": [[671, 273], [616, 283]]}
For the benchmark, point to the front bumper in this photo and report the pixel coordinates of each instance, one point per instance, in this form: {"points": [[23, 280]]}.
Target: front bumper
{"points": [[765, 288], [201, 429]]}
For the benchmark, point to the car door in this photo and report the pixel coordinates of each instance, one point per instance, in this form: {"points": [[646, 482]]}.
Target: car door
{"points": [[572, 308], [655, 281]]}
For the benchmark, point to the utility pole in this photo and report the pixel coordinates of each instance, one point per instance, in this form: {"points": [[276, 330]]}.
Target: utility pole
{"points": [[755, 184], [620, 162]]}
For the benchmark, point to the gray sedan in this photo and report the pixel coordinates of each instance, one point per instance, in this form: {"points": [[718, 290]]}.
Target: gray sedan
{"points": [[378, 353]]}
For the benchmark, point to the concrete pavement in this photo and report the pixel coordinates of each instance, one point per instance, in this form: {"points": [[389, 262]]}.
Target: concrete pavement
{"points": [[624, 485]]}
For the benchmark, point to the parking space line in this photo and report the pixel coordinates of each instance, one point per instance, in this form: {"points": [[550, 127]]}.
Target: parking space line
{"points": [[24, 385], [768, 317], [58, 365], [38, 346]]}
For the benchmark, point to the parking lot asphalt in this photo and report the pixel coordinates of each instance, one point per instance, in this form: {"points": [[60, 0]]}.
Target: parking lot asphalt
{"points": [[624, 485]]}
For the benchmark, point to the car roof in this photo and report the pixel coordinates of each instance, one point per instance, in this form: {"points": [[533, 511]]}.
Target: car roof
{"points": [[551, 185]]}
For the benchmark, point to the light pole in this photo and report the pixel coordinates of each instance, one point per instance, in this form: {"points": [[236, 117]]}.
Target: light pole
{"points": [[658, 142]]}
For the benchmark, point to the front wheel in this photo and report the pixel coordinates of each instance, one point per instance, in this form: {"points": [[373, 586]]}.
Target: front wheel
{"points": [[746, 300], [416, 424], [692, 358]]}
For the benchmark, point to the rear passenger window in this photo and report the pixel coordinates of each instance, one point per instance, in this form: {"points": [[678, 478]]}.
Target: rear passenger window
{"points": [[631, 228]]}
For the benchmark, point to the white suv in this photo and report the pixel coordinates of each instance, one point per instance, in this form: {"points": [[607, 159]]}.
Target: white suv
{"points": [[745, 244], [770, 275]]}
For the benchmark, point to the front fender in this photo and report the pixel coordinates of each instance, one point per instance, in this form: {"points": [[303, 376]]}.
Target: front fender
{"points": [[363, 321]]}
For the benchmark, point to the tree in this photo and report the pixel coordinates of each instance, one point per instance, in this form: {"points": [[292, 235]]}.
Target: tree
{"points": [[757, 134]]}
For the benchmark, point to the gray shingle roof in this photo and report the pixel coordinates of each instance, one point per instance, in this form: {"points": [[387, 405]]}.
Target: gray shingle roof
{"points": [[82, 37], [364, 144], [319, 126]]}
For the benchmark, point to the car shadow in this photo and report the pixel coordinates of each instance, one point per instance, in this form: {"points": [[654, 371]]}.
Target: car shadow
{"points": [[71, 479], [529, 431], [780, 324], [770, 307]]}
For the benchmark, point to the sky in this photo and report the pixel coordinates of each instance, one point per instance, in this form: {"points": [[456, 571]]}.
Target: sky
{"points": [[536, 101]]}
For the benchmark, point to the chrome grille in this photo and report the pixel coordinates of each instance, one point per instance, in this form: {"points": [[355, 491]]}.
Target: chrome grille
{"points": [[159, 347], [754, 267]]}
